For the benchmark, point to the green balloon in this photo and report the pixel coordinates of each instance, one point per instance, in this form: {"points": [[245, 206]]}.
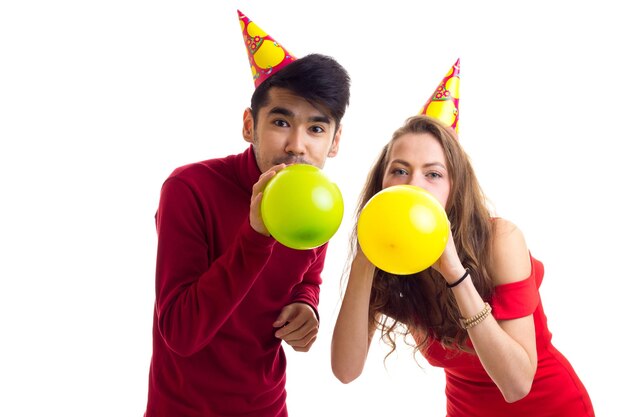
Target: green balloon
{"points": [[301, 207]]}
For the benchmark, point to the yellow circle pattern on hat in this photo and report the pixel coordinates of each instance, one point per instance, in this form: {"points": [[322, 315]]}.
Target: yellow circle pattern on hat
{"points": [[266, 56], [444, 102]]}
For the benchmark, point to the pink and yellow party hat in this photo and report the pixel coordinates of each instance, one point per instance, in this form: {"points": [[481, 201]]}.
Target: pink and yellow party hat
{"points": [[443, 104], [266, 56]]}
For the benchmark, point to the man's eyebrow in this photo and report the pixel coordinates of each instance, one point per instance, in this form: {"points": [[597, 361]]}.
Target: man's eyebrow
{"points": [[281, 110], [288, 113], [319, 119]]}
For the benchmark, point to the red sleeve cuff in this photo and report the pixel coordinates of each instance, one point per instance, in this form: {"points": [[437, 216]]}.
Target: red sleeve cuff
{"points": [[254, 237]]}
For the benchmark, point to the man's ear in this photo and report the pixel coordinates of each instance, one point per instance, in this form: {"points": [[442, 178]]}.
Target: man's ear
{"points": [[334, 147], [248, 125]]}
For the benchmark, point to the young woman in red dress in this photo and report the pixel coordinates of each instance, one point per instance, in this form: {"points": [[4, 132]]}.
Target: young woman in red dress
{"points": [[477, 312]]}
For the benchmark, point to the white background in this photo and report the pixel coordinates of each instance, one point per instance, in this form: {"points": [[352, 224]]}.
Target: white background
{"points": [[100, 101]]}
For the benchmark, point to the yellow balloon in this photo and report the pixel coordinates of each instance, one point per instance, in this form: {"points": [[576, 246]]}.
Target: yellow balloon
{"points": [[403, 229]]}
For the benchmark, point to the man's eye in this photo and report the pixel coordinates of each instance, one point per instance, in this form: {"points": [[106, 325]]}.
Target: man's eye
{"points": [[280, 123]]}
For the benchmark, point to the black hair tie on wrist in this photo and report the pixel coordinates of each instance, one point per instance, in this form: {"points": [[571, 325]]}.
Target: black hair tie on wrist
{"points": [[458, 281]]}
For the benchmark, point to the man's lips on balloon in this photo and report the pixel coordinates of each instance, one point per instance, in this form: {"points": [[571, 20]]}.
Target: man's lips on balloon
{"points": [[291, 160]]}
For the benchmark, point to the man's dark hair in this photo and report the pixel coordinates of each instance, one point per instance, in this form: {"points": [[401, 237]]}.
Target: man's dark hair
{"points": [[317, 78]]}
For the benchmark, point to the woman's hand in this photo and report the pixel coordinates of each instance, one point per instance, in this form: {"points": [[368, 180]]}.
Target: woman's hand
{"points": [[449, 265]]}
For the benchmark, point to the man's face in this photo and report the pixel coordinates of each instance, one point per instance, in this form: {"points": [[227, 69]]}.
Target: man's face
{"points": [[290, 130]]}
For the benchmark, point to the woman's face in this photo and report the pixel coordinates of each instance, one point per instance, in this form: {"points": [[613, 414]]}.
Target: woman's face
{"points": [[418, 159]]}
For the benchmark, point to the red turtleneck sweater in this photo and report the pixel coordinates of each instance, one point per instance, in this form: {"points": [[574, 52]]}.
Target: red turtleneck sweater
{"points": [[219, 287]]}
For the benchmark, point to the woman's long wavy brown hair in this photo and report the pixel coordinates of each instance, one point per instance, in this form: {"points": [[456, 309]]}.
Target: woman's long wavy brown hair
{"points": [[421, 305]]}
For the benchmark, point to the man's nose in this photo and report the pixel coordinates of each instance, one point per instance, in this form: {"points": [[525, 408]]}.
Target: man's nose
{"points": [[295, 142]]}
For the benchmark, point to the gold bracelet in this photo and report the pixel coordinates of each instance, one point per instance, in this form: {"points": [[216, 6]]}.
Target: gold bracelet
{"points": [[474, 320]]}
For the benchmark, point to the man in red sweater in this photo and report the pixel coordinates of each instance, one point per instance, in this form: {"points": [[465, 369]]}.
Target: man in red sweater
{"points": [[228, 294]]}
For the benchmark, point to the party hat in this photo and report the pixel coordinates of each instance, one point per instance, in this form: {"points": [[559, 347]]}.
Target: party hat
{"points": [[444, 102], [266, 56]]}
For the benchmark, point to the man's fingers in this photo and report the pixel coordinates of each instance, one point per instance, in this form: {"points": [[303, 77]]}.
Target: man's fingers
{"points": [[300, 336]]}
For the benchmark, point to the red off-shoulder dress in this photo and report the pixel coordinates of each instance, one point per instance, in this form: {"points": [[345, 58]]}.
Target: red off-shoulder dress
{"points": [[556, 391]]}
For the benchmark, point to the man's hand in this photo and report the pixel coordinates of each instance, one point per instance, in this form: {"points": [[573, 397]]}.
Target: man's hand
{"points": [[256, 221], [298, 326]]}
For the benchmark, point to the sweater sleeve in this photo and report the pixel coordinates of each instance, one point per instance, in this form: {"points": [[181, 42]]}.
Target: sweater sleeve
{"points": [[195, 296], [308, 291]]}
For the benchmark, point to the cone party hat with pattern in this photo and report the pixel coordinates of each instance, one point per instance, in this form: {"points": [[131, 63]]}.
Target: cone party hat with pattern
{"points": [[443, 104], [266, 56]]}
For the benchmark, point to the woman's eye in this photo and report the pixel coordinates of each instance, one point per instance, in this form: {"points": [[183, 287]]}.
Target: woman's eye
{"points": [[399, 171], [434, 175]]}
